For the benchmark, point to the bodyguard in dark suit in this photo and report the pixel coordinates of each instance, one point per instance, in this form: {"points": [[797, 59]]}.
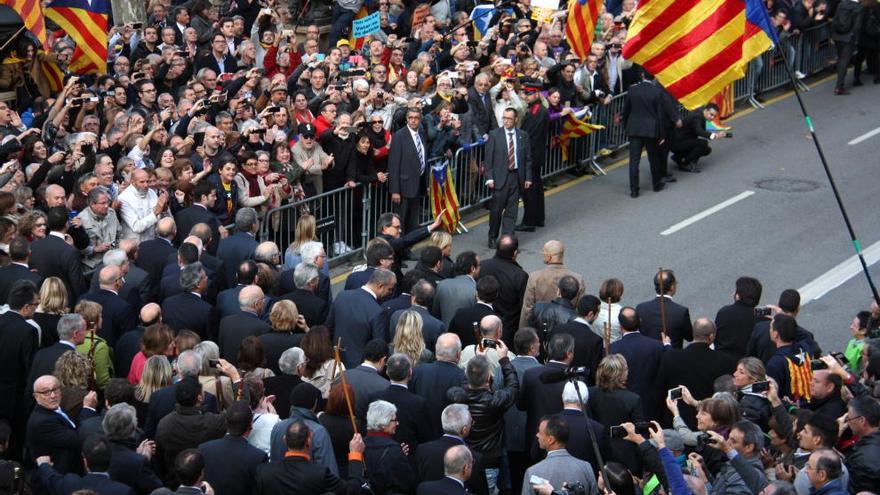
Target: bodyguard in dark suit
{"points": [[734, 323], [696, 367], [204, 197], [642, 121], [412, 429], [508, 171], [536, 124], [231, 462], [692, 139], [588, 346], [96, 453], [117, 314], [356, 317], [642, 356], [235, 328], [365, 379], [512, 281], [188, 310], [678, 317], [18, 269], [52, 256], [241, 245], [153, 253], [432, 380], [407, 166], [422, 299], [458, 468], [462, 323], [537, 398]]}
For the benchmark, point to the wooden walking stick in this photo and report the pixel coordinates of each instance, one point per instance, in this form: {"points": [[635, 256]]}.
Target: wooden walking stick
{"points": [[344, 384], [607, 330], [662, 305]]}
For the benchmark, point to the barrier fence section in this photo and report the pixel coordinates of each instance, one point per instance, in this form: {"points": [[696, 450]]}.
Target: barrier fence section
{"points": [[346, 217]]}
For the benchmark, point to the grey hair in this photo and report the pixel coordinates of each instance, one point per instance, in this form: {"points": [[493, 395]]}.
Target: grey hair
{"points": [[380, 414], [446, 351], [203, 72], [189, 363], [245, 218], [290, 360], [398, 367], [456, 459], [114, 257], [69, 324], [303, 274], [206, 350], [382, 276], [311, 250], [190, 276], [454, 418], [96, 193], [248, 299], [120, 422], [265, 252], [570, 394]]}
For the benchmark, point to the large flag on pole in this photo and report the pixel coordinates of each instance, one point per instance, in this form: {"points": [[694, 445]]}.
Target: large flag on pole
{"points": [[86, 22], [574, 128], [697, 47], [443, 196], [581, 25], [31, 13]]}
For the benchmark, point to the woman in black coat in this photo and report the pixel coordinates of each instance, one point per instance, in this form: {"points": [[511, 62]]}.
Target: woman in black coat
{"points": [[390, 471]]}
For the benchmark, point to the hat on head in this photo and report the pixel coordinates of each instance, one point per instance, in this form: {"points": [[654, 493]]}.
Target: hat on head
{"points": [[530, 84], [305, 395], [342, 42], [279, 87], [307, 130]]}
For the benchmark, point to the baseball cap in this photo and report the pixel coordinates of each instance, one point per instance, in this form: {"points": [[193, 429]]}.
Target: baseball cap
{"points": [[306, 130], [342, 42]]}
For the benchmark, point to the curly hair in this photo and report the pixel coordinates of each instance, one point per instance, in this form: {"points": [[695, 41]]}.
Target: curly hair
{"points": [[73, 370]]}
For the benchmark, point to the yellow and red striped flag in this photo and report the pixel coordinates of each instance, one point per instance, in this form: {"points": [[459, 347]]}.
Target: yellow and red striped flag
{"points": [[86, 22], [580, 26], [574, 128], [31, 12], [697, 47], [443, 196]]}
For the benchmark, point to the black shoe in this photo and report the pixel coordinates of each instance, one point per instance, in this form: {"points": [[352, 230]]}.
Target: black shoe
{"points": [[493, 244], [669, 178], [758, 97], [686, 168], [540, 224], [524, 228], [659, 187], [634, 194], [857, 83], [877, 80]]}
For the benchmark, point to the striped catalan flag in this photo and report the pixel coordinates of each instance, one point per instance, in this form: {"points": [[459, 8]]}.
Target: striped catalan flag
{"points": [[86, 22], [443, 195], [53, 74], [31, 12], [574, 128], [581, 25], [697, 47]]}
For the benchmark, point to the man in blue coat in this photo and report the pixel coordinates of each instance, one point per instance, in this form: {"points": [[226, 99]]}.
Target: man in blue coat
{"points": [[231, 462], [96, 457], [642, 354], [356, 316]]}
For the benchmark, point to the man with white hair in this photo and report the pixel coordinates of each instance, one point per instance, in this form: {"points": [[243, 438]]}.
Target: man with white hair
{"points": [[580, 443], [141, 207], [458, 468], [101, 224], [311, 252], [127, 465], [247, 322], [390, 470], [267, 252], [281, 385], [456, 420], [432, 380], [188, 310], [306, 278], [71, 333]]}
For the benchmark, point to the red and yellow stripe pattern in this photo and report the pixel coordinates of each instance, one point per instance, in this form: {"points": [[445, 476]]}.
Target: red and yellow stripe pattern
{"points": [[444, 197], [86, 23], [31, 12], [574, 128], [580, 25]]}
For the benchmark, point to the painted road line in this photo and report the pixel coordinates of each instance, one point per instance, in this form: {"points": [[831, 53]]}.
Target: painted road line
{"points": [[838, 275], [705, 213], [864, 137]]}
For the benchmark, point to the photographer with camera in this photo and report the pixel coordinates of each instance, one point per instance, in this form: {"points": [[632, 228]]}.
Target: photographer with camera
{"points": [[741, 447], [490, 335], [688, 147]]}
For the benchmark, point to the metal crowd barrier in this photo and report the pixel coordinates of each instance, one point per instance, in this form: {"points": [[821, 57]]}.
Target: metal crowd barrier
{"points": [[346, 218]]}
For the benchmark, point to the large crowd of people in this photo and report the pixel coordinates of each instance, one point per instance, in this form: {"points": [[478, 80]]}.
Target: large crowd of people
{"points": [[151, 343]]}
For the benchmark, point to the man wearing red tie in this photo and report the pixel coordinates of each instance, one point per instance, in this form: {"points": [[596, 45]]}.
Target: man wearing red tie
{"points": [[508, 168]]}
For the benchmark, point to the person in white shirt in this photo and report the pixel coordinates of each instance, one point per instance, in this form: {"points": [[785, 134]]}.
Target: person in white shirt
{"points": [[141, 207]]}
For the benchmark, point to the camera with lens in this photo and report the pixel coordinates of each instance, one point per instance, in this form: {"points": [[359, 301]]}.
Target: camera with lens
{"points": [[702, 441], [572, 488]]}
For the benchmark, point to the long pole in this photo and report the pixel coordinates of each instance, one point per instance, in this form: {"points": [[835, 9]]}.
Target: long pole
{"points": [[660, 281], [809, 122]]}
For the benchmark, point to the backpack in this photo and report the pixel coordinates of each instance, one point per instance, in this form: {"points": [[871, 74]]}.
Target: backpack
{"points": [[845, 18]]}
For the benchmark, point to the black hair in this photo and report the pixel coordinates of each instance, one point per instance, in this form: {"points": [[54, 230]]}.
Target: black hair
{"points": [[488, 288], [465, 262], [749, 290]]}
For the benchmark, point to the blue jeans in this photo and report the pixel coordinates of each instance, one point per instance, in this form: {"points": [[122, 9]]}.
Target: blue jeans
{"points": [[342, 19]]}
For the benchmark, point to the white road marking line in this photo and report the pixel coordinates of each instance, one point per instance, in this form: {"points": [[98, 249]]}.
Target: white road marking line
{"points": [[705, 213], [838, 275], [864, 137]]}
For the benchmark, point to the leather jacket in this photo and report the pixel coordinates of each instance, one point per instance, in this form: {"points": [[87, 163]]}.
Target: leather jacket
{"points": [[546, 315]]}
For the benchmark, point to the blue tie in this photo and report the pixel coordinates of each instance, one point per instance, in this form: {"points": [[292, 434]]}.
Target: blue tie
{"points": [[64, 415]]}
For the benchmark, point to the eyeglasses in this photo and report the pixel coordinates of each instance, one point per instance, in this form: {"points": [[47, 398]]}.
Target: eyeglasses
{"points": [[848, 419], [377, 122], [54, 390], [151, 90]]}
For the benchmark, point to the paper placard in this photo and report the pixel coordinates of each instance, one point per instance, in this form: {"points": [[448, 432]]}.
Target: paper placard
{"points": [[543, 10], [366, 26]]}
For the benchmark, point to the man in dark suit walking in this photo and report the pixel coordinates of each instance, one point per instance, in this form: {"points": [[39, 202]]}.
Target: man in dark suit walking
{"points": [[231, 462], [458, 463], [17, 269], [508, 171], [735, 322], [153, 254], [204, 197], [366, 379], [642, 356], [96, 454], [588, 346], [52, 256], [117, 314], [642, 121], [241, 245], [356, 317], [412, 429], [677, 317], [188, 310], [432, 380], [428, 458], [512, 280], [407, 164], [462, 323], [246, 323]]}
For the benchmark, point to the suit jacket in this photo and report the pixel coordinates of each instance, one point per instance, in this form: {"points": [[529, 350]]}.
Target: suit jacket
{"points": [[539, 399], [589, 348], [187, 218], [641, 110], [231, 464], [280, 386], [497, 155], [359, 278], [508, 303], [696, 367], [356, 318], [285, 285], [482, 111], [412, 409], [127, 346], [613, 408], [431, 381], [560, 467], [151, 257], [233, 250], [404, 167], [234, 329], [442, 486], [542, 286], [734, 324], [12, 273], [132, 469], [431, 327], [18, 349], [230, 65], [48, 433], [43, 363], [52, 257], [227, 302], [117, 314], [275, 343], [678, 320], [314, 309], [68, 483], [643, 355], [692, 127], [453, 294], [365, 381], [580, 444], [462, 323], [514, 419], [189, 311], [428, 460], [137, 289], [301, 476]]}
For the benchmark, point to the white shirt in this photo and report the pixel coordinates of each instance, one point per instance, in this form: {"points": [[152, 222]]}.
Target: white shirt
{"points": [[510, 135], [138, 220], [417, 140]]}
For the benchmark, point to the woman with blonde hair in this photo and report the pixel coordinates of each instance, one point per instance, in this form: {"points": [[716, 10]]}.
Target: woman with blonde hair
{"points": [[408, 338], [211, 379], [306, 231], [612, 404], [288, 329], [53, 304], [157, 374], [95, 348], [443, 240], [74, 373]]}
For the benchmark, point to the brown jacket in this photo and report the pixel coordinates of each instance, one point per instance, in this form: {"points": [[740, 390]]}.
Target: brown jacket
{"points": [[542, 287]]}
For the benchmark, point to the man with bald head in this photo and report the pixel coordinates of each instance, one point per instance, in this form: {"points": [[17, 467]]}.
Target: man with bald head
{"points": [[117, 314], [51, 432], [236, 327], [56, 196], [490, 331], [130, 343], [543, 283], [432, 380], [152, 253], [141, 207]]}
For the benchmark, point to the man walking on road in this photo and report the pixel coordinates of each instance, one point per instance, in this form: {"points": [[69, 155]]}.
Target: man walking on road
{"points": [[642, 123], [508, 166]]}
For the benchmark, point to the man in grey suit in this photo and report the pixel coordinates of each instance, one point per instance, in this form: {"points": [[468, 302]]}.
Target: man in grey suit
{"points": [[407, 163], [365, 379], [422, 299], [508, 166], [559, 466], [460, 291]]}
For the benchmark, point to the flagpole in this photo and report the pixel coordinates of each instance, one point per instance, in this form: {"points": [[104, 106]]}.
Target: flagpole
{"points": [[809, 122]]}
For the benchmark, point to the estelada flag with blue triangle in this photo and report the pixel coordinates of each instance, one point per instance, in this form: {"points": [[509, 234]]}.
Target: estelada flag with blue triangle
{"points": [[85, 21]]}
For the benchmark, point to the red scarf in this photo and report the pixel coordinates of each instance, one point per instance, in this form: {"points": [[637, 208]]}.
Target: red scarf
{"points": [[253, 183]]}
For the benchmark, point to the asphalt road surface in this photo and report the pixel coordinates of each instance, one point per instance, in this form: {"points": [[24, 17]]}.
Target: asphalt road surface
{"points": [[761, 207]]}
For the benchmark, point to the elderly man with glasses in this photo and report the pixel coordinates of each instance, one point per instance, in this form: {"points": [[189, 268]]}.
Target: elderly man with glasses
{"points": [[51, 432]]}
